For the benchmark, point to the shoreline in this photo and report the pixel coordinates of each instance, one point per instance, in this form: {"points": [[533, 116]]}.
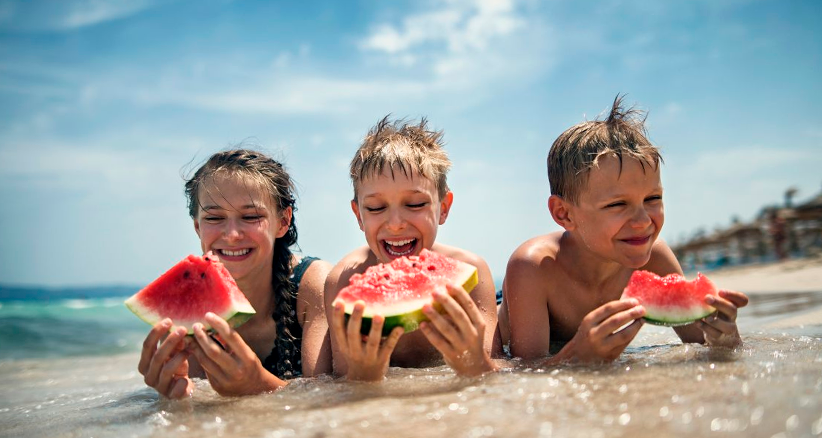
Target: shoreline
{"points": [[786, 276]]}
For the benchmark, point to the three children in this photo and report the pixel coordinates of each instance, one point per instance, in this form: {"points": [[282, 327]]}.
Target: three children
{"points": [[561, 290]]}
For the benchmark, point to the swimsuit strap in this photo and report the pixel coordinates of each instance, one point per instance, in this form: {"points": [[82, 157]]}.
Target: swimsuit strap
{"points": [[299, 270]]}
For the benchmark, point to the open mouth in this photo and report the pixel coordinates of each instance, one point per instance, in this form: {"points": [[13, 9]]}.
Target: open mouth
{"points": [[399, 248], [233, 254]]}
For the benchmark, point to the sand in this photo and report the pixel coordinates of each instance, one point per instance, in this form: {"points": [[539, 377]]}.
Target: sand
{"points": [[796, 275]]}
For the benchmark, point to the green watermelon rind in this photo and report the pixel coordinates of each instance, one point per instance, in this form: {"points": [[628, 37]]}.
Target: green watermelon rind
{"points": [[410, 320], [235, 316], [650, 318]]}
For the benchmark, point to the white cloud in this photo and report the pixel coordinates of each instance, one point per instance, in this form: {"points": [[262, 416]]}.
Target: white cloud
{"points": [[66, 14]]}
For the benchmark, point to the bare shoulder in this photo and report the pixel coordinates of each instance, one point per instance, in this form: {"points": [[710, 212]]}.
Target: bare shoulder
{"points": [[535, 257], [355, 262], [460, 254], [662, 261], [314, 277]]}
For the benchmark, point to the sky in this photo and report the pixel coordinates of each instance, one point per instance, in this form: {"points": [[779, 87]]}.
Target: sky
{"points": [[106, 105]]}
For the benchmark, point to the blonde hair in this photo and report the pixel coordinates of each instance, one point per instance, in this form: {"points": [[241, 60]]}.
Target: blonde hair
{"points": [[577, 150], [402, 146]]}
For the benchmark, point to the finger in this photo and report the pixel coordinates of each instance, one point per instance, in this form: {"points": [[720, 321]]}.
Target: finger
{"points": [[164, 352], [614, 322], [726, 327], [608, 309], [150, 344], [443, 326], [168, 372], [212, 369], [353, 329], [390, 343], [458, 315], [180, 387], [710, 331], [739, 299], [372, 345], [437, 340], [724, 308], [212, 349], [619, 340], [338, 325], [466, 303], [232, 340]]}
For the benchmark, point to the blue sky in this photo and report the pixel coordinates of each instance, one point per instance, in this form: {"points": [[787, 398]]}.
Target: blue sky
{"points": [[104, 104]]}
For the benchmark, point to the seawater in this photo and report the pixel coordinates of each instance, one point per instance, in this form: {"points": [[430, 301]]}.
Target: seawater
{"points": [[68, 369]]}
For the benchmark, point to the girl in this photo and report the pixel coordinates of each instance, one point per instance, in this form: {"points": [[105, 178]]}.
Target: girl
{"points": [[242, 205]]}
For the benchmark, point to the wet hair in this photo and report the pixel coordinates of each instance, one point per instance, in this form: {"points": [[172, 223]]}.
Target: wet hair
{"points": [[261, 171], [400, 146], [577, 150]]}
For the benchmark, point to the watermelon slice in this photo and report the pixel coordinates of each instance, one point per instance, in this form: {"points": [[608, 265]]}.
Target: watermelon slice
{"points": [[671, 300], [398, 290], [188, 290]]}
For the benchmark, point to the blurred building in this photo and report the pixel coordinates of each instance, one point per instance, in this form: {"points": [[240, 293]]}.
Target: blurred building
{"points": [[777, 232]]}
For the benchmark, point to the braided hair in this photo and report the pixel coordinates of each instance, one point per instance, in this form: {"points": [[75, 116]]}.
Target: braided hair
{"points": [[265, 172]]}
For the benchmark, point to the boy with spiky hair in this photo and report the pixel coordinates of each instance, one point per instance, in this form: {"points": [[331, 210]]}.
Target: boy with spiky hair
{"points": [[400, 198], [565, 287]]}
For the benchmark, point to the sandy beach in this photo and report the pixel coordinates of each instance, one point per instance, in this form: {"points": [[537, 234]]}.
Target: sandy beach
{"points": [[796, 275], [785, 277]]}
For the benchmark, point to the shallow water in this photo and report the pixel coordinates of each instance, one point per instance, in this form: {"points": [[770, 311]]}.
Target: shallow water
{"points": [[770, 387]]}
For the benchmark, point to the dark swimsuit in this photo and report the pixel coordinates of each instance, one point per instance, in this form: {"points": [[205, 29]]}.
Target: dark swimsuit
{"points": [[270, 362]]}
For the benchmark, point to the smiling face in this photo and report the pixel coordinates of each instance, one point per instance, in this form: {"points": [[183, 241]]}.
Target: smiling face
{"points": [[399, 214], [239, 223], [619, 214]]}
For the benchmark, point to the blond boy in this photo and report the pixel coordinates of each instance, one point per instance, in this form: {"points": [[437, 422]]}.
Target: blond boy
{"points": [[564, 288], [400, 199]]}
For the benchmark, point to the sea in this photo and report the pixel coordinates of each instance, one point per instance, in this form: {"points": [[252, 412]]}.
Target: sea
{"points": [[68, 361]]}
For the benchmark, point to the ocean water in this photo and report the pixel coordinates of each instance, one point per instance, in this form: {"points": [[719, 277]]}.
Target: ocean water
{"points": [[68, 369]]}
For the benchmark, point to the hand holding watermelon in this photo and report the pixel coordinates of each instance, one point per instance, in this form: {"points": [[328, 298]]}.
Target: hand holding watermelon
{"points": [[166, 368], [720, 329], [674, 301], [367, 359], [231, 365], [597, 338], [458, 333]]}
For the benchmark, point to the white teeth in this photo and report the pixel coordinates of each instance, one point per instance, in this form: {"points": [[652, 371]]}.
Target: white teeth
{"points": [[399, 242], [234, 253]]}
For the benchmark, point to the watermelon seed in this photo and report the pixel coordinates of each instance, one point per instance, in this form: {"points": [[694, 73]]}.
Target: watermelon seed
{"points": [[186, 274], [202, 275]]}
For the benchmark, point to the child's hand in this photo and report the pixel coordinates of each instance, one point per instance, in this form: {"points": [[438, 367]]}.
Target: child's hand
{"points": [[458, 333], [367, 360], [595, 340], [166, 368], [232, 366], [720, 328]]}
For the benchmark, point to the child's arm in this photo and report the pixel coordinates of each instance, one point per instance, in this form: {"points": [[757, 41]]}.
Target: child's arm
{"points": [[316, 343], [718, 329]]}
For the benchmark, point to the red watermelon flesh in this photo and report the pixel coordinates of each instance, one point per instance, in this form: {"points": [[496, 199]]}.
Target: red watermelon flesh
{"points": [[398, 290], [190, 289], [671, 300]]}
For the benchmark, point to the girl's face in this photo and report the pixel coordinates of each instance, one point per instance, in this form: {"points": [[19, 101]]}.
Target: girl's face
{"points": [[238, 222], [399, 214]]}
